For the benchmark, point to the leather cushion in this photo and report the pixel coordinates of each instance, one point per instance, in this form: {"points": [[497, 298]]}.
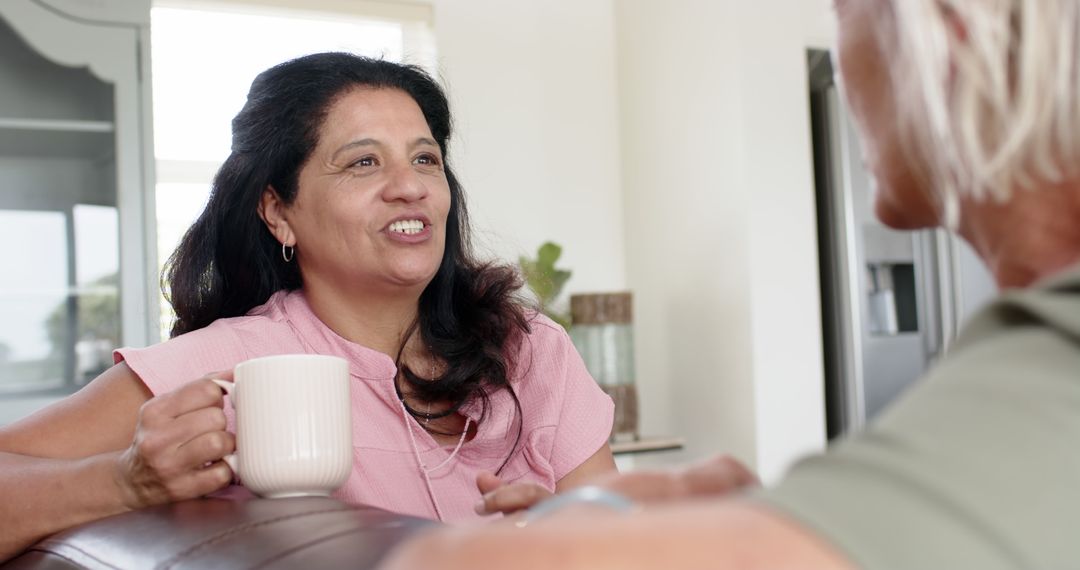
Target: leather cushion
{"points": [[305, 532]]}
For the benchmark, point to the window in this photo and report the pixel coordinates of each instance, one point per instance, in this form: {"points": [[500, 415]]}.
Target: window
{"points": [[204, 59]]}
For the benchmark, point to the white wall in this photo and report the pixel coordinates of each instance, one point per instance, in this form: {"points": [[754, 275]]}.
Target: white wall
{"points": [[533, 90], [785, 292], [819, 22], [721, 242], [687, 235]]}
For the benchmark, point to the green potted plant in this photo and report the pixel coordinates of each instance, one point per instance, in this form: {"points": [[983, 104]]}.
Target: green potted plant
{"points": [[546, 281]]}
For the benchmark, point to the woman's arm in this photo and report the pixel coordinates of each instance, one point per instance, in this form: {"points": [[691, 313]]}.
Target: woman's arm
{"points": [[601, 463], [108, 448]]}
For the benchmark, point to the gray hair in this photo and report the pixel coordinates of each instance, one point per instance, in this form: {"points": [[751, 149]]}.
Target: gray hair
{"points": [[989, 93]]}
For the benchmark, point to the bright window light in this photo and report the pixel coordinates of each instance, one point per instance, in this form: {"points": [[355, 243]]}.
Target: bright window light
{"points": [[204, 62]]}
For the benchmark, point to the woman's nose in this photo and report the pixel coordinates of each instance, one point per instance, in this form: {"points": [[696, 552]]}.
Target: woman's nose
{"points": [[404, 184]]}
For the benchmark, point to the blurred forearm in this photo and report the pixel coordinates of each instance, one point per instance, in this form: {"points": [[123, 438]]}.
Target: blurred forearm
{"points": [[39, 496], [713, 534]]}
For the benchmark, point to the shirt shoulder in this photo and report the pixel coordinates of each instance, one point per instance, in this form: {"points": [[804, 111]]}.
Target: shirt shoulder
{"points": [[219, 346], [544, 365], [975, 467], [568, 417]]}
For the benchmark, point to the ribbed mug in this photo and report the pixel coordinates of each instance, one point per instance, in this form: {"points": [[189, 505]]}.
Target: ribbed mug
{"points": [[293, 424]]}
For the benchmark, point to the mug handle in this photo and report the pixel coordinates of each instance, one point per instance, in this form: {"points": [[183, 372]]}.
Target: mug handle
{"points": [[231, 460]]}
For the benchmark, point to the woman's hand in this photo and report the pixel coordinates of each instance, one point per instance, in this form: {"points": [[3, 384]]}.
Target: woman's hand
{"points": [[499, 497], [179, 442], [716, 476]]}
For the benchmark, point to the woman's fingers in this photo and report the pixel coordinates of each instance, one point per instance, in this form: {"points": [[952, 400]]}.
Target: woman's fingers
{"points": [[193, 424], [511, 498], [179, 441], [200, 482], [205, 448], [162, 409], [486, 482]]}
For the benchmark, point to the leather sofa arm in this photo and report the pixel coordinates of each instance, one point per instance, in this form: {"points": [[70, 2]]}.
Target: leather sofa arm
{"points": [[307, 533]]}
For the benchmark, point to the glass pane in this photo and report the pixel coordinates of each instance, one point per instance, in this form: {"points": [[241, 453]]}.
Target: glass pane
{"points": [[57, 335], [97, 262], [97, 254], [32, 347]]}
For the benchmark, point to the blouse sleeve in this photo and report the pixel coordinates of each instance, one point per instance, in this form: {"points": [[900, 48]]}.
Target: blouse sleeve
{"points": [[166, 366], [583, 414]]}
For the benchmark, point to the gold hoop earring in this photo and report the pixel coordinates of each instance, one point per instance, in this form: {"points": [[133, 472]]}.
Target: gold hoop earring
{"points": [[288, 252]]}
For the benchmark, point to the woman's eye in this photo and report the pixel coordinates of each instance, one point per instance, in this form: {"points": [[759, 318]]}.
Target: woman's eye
{"points": [[366, 161], [428, 159]]}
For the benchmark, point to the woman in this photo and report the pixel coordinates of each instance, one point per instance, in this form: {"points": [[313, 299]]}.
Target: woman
{"points": [[335, 226], [969, 114]]}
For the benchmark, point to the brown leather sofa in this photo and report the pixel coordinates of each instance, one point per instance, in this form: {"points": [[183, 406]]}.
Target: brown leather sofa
{"points": [[307, 533]]}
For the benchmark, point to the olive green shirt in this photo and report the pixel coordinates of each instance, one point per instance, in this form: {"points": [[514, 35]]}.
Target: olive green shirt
{"points": [[978, 465]]}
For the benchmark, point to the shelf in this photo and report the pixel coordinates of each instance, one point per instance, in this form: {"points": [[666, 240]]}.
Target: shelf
{"points": [[647, 445], [57, 139], [70, 126]]}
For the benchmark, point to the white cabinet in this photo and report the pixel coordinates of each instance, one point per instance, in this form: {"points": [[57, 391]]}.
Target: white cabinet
{"points": [[76, 194]]}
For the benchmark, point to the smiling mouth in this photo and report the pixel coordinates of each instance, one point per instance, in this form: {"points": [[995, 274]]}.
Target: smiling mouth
{"points": [[407, 227]]}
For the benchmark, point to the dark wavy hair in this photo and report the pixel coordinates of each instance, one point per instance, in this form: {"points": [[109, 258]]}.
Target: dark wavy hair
{"points": [[228, 261]]}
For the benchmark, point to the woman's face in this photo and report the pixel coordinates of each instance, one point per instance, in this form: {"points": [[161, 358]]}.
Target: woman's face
{"points": [[901, 201], [373, 198]]}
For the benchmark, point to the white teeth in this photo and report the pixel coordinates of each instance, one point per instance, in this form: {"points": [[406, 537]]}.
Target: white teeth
{"points": [[407, 227]]}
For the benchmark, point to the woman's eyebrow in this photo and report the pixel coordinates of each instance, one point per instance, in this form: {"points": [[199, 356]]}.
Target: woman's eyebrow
{"points": [[353, 144], [421, 141]]}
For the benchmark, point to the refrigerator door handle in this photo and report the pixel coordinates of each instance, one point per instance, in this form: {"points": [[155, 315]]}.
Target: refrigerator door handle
{"points": [[947, 286], [938, 277], [928, 293], [956, 289]]}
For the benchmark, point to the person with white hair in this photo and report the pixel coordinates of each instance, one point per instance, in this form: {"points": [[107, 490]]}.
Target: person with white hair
{"points": [[970, 119]]}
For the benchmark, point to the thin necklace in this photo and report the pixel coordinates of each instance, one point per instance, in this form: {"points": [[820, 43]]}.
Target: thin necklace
{"points": [[425, 415], [426, 471], [427, 405]]}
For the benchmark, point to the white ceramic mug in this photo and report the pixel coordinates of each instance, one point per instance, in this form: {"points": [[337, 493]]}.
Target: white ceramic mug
{"points": [[293, 424]]}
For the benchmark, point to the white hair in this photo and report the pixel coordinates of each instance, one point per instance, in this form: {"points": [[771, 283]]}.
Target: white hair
{"points": [[989, 93]]}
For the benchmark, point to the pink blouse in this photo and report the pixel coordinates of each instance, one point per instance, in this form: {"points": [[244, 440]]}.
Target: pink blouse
{"points": [[565, 417]]}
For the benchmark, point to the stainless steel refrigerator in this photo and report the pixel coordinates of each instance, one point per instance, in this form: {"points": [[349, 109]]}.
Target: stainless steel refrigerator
{"points": [[892, 301]]}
